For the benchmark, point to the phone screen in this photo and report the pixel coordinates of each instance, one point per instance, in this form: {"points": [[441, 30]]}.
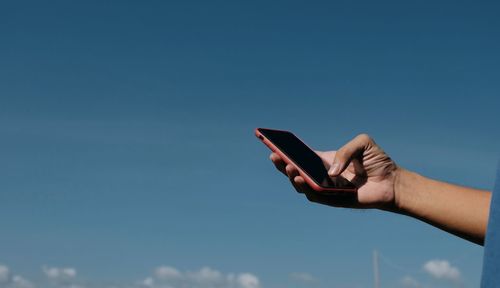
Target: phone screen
{"points": [[306, 159]]}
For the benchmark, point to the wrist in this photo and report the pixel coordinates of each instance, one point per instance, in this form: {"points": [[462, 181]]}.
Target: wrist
{"points": [[398, 187], [405, 194]]}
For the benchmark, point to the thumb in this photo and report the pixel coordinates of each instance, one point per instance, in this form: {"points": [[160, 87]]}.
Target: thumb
{"points": [[349, 151]]}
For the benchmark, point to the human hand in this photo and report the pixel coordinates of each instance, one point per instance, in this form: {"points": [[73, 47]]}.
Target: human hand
{"points": [[362, 162]]}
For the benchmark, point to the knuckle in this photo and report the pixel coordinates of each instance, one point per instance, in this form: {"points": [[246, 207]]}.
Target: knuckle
{"points": [[364, 137], [342, 153]]}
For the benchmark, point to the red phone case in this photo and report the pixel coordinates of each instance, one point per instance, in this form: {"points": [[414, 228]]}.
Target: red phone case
{"points": [[315, 186]]}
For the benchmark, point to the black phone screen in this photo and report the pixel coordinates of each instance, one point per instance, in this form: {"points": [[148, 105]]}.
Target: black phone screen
{"points": [[305, 158]]}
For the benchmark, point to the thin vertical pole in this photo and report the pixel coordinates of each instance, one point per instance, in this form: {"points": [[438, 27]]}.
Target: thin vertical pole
{"points": [[376, 279]]}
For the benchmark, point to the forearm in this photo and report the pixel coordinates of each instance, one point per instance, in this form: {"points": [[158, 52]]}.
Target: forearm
{"points": [[459, 210]]}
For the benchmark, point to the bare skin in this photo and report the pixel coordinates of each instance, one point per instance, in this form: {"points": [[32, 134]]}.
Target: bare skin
{"points": [[384, 185]]}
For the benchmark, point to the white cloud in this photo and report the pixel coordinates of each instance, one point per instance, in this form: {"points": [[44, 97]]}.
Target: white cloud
{"points": [[20, 282], [410, 282], [12, 281], [4, 274], [167, 272], [247, 280], [303, 277], [61, 277], [442, 269], [55, 273], [206, 277], [148, 282], [161, 277]]}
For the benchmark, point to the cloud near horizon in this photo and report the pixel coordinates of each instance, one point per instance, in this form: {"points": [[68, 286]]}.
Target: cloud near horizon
{"points": [[410, 282], [170, 277], [206, 277], [56, 273], [162, 277], [442, 269], [303, 277], [9, 280]]}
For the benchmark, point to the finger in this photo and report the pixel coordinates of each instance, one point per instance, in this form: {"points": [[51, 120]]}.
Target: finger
{"points": [[301, 185], [291, 171], [358, 168], [278, 162], [349, 151]]}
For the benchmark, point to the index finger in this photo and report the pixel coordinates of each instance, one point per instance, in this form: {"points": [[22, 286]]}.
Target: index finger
{"points": [[349, 151], [278, 162]]}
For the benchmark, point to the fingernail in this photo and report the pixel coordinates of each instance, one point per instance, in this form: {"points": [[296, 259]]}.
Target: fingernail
{"points": [[334, 169]]}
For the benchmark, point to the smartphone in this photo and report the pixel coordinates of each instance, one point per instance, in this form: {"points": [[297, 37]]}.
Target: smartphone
{"points": [[311, 167]]}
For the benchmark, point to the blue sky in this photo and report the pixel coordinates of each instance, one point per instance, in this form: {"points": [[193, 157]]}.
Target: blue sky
{"points": [[127, 137]]}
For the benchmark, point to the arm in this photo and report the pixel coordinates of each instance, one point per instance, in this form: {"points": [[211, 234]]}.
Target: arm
{"points": [[458, 210], [384, 185]]}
